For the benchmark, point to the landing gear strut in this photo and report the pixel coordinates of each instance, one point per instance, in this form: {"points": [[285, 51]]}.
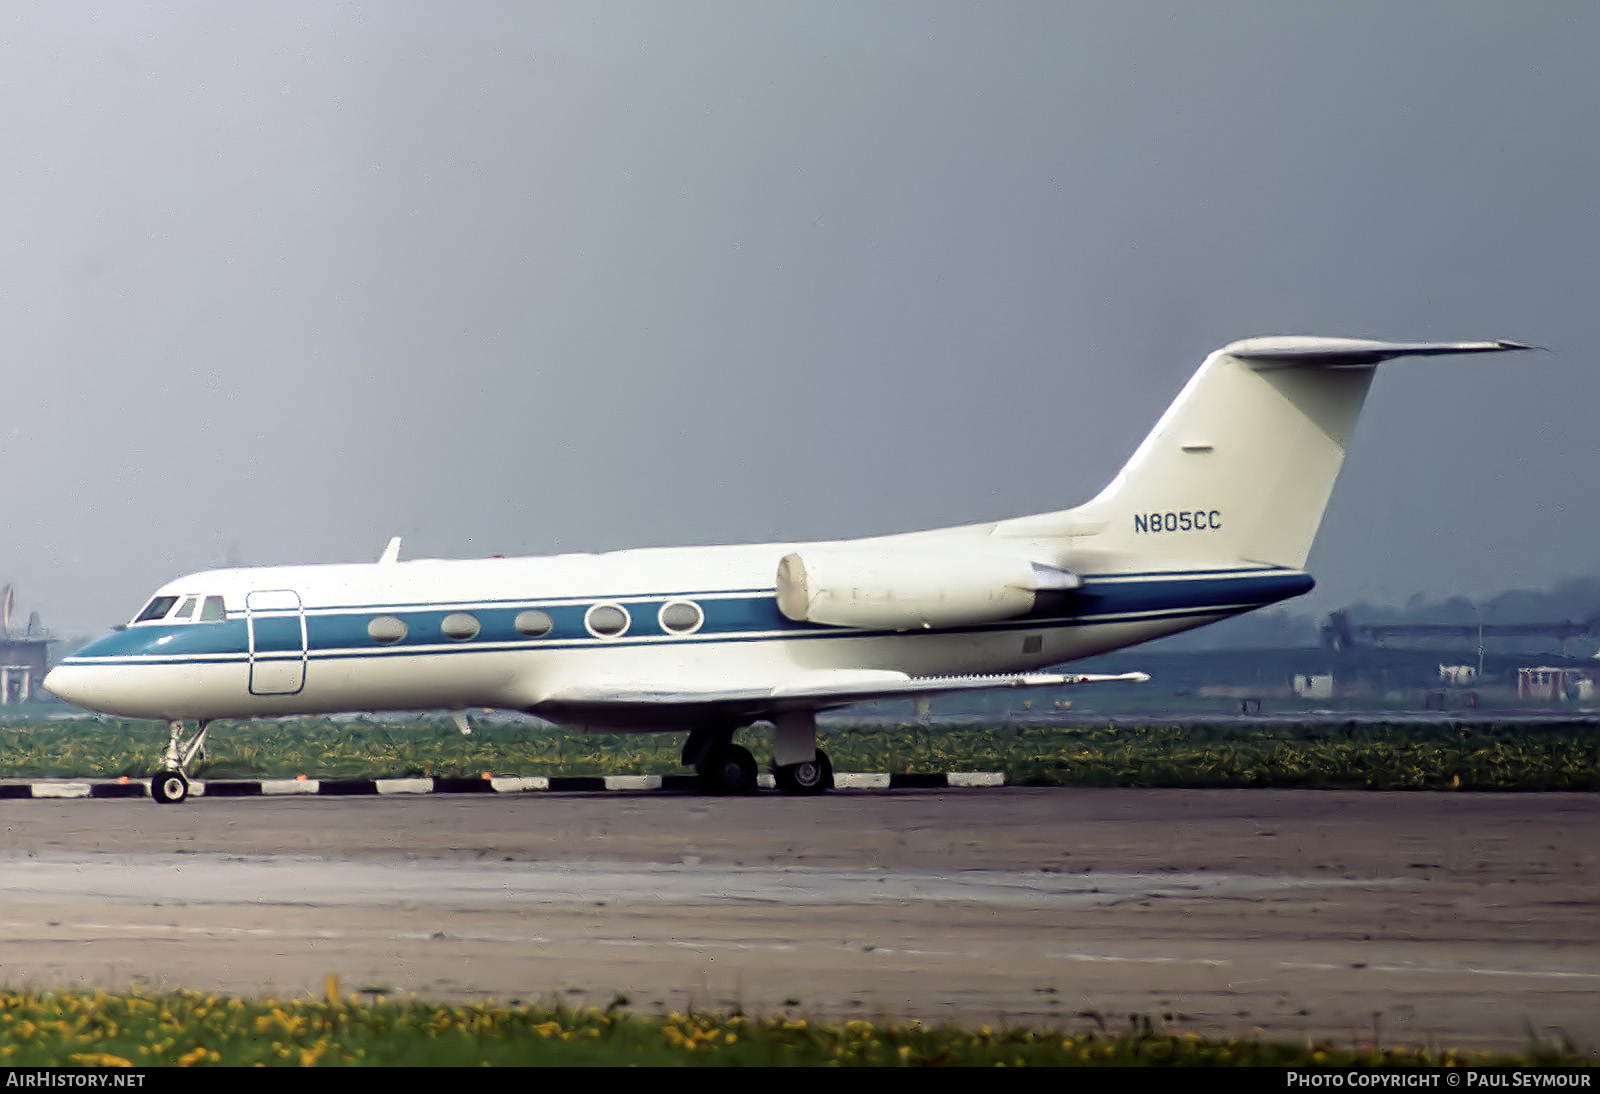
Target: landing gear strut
{"points": [[170, 785]]}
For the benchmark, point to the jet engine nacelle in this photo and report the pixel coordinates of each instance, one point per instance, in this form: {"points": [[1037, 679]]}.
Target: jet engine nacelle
{"points": [[910, 590]]}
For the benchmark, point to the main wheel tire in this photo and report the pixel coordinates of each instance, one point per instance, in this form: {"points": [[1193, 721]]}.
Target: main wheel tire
{"points": [[729, 770], [169, 787], [815, 777]]}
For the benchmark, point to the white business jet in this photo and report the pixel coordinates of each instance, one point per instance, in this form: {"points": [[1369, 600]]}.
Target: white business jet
{"points": [[1213, 515]]}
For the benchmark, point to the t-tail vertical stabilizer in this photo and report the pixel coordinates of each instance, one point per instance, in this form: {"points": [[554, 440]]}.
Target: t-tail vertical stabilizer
{"points": [[1241, 465]]}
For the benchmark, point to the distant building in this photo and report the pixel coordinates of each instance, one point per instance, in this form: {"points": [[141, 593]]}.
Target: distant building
{"points": [[1314, 685], [23, 657], [22, 667], [1553, 685]]}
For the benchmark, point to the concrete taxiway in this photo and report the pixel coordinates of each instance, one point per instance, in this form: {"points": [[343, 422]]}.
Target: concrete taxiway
{"points": [[1466, 919]]}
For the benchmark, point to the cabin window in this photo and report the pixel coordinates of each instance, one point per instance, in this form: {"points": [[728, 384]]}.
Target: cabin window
{"points": [[534, 623], [460, 626], [387, 629], [681, 617], [607, 620], [213, 611], [156, 609]]}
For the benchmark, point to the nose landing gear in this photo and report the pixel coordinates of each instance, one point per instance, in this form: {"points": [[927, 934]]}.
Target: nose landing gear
{"points": [[170, 785]]}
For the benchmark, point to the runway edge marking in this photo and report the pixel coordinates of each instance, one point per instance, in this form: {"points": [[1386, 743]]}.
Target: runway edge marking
{"points": [[57, 789]]}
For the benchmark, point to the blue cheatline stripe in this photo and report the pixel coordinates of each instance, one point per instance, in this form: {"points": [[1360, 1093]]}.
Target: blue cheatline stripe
{"points": [[1103, 600], [528, 646]]}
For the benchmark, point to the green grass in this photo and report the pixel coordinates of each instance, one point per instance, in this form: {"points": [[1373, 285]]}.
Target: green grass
{"points": [[189, 1029], [1402, 756], [1405, 756]]}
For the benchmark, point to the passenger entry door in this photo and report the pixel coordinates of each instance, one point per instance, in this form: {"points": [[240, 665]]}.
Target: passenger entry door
{"points": [[276, 623]]}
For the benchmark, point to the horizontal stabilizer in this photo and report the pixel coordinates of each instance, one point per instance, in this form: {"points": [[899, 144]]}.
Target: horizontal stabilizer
{"points": [[1287, 351]]}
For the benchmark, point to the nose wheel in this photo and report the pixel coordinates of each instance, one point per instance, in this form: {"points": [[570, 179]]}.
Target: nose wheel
{"points": [[170, 785]]}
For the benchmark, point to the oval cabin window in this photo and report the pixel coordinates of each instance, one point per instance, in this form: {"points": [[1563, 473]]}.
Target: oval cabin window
{"points": [[460, 626], [681, 617], [607, 620], [534, 623], [386, 629]]}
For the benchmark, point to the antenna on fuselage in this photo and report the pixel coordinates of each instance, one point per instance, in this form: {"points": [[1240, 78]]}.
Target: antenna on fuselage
{"points": [[391, 553]]}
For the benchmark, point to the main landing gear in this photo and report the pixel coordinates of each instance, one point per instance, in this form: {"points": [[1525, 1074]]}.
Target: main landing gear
{"points": [[798, 765], [170, 785], [811, 777], [727, 768]]}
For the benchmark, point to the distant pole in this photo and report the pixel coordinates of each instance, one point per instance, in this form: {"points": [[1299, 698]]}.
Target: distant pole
{"points": [[1480, 646]]}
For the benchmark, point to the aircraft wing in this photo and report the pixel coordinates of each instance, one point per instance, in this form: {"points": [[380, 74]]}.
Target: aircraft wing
{"points": [[819, 690]]}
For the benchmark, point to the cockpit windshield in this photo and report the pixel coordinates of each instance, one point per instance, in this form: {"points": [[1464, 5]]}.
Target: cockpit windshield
{"points": [[210, 609], [156, 609]]}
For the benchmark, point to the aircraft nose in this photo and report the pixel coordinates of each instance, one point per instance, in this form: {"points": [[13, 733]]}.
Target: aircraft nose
{"points": [[53, 681], [109, 689], [66, 682]]}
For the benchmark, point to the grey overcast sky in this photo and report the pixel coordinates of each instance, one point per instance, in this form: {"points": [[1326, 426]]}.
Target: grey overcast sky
{"points": [[283, 280]]}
